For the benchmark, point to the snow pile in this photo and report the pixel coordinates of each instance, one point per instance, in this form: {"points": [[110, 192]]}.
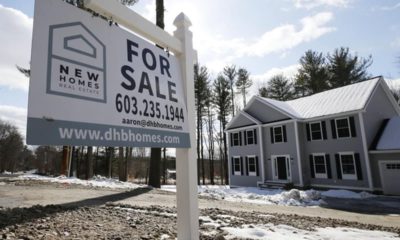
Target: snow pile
{"points": [[283, 232], [293, 197], [346, 194], [97, 181]]}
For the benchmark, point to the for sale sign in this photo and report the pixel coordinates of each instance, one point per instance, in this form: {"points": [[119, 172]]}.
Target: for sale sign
{"points": [[93, 83]]}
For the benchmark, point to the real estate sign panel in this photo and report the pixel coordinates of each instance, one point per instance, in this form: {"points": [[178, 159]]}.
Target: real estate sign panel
{"points": [[94, 83]]}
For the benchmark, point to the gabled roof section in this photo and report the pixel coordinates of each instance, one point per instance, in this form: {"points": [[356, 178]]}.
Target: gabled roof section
{"points": [[390, 138], [243, 119], [281, 107]]}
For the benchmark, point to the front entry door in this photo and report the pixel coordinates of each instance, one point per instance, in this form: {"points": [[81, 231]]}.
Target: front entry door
{"points": [[281, 168]]}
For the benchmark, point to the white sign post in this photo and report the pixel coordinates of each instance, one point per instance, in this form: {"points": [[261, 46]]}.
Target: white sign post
{"points": [[95, 84]]}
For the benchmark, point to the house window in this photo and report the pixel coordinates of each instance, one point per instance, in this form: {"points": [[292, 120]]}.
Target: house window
{"points": [[393, 166], [316, 131], [250, 137], [236, 139], [252, 165], [348, 166], [343, 128], [320, 168], [278, 134], [237, 166]]}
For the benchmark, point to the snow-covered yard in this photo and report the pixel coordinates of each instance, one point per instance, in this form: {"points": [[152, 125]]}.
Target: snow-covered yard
{"points": [[285, 232], [294, 197]]}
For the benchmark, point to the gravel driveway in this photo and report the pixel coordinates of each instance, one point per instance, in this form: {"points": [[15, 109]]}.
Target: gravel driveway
{"points": [[85, 213]]}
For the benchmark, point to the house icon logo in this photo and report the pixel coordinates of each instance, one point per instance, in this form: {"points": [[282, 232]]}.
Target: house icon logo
{"points": [[76, 63]]}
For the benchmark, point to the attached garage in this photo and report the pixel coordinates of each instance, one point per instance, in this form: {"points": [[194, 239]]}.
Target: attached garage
{"points": [[390, 176], [385, 158]]}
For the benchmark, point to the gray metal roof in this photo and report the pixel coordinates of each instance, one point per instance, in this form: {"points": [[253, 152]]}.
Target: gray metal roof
{"points": [[349, 98]]}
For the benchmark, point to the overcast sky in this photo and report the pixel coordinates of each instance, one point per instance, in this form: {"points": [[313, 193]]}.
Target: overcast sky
{"points": [[266, 37]]}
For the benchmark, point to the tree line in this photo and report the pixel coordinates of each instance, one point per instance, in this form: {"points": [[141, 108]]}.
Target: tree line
{"points": [[317, 73]]}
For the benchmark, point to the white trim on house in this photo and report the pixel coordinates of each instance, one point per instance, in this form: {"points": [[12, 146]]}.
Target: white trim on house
{"points": [[300, 168], [260, 141], [365, 147]]}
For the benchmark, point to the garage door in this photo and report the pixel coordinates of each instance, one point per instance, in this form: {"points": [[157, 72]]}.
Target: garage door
{"points": [[390, 175]]}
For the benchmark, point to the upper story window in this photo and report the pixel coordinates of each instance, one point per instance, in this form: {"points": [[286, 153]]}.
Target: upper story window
{"points": [[236, 139], [278, 134], [343, 127], [316, 131], [250, 137]]}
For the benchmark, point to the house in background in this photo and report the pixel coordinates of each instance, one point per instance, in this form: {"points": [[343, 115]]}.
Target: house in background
{"points": [[346, 138]]}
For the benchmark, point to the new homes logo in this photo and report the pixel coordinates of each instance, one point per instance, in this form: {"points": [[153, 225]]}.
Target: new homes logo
{"points": [[76, 63]]}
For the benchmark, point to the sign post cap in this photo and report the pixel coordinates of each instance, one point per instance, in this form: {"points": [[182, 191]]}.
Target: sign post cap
{"points": [[182, 21]]}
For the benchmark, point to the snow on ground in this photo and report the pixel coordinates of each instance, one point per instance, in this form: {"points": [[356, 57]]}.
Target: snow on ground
{"points": [[97, 181], [285, 232], [346, 194], [292, 197]]}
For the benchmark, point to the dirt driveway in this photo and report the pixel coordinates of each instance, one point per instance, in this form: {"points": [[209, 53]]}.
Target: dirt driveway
{"points": [[380, 211]]}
